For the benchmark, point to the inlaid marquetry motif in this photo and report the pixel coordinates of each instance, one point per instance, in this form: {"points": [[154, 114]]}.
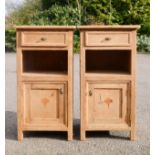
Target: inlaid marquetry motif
{"points": [[108, 101], [45, 101]]}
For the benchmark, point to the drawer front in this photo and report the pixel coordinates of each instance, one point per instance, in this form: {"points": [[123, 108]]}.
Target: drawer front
{"points": [[107, 38], [42, 38], [108, 103], [45, 104]]}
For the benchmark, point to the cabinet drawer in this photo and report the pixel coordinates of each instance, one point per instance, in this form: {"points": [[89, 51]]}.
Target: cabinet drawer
{"points": [[45, 104], [96, 38], [44, 38], [108, 103]]}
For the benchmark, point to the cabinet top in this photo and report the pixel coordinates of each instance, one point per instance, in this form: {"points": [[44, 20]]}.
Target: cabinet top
{"points": [[52, 27], [81, 27], [108, 27]]}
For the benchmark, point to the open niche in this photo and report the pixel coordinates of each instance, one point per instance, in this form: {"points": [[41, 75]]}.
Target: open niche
{"points": [[41, 62], [108, 61]]}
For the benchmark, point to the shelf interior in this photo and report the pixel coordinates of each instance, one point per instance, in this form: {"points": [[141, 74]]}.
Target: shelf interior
{"points": [[108, 61], [45, 62]]}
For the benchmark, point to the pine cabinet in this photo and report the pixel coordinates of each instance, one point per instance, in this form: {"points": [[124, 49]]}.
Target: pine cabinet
{"points": [[44, 79], [108, 70]]}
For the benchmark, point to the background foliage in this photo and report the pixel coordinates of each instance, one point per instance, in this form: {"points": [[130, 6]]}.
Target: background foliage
{"points": [[81, 12]]}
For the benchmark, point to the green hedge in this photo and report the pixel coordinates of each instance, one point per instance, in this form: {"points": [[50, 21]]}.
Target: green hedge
{"points": [[143, 44], [10, 40]]}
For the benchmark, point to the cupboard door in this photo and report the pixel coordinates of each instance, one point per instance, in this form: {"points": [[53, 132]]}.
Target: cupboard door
{"points": [[45, 104], [108, 104]]}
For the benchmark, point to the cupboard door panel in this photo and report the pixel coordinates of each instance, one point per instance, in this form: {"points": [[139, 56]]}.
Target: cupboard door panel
{"points": [[108, 103], [45, 104]]}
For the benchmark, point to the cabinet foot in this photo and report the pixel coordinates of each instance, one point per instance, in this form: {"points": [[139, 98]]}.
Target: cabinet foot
{"points": [[83, 135], [70, 135], [132, 135], [20, 135]]}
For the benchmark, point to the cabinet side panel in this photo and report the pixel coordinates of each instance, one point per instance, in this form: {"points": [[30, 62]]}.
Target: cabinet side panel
{"points": [[70, 86], [20, 106], [133, 96], [82, 87]]}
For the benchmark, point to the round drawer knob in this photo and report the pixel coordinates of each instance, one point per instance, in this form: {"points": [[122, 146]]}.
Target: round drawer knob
{"points": [[43, 39], [107, 38]]}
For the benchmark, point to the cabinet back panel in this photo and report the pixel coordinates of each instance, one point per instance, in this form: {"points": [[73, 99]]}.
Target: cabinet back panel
{"points": [[108, 61], [45, 61]]}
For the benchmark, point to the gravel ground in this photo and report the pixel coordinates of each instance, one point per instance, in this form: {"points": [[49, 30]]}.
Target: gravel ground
{"points": [[99, 143]]}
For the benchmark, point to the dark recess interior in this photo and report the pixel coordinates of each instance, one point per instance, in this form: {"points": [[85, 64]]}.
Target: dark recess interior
{"points": [[108, 61], [45, 62]]}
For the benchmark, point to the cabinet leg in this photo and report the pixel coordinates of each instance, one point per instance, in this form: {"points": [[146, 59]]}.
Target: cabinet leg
{"points": [[70, 135], [83, 135], [132, 135], [20, 135]]}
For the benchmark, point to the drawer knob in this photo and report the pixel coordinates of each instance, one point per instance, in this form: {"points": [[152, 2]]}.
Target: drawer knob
{"points": [[43, 39], [90, 93], [61, 91], [107, 38]]}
